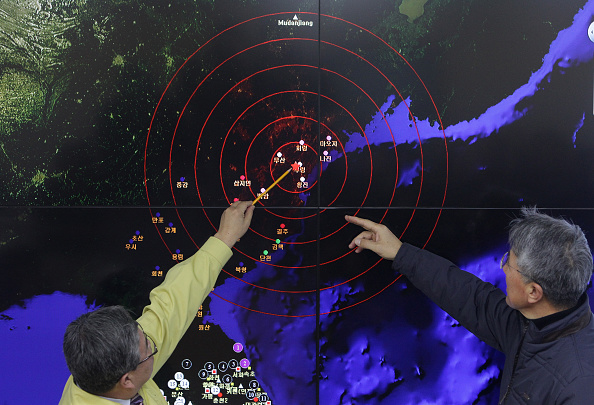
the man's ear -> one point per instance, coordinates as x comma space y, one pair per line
126, 381
534, 292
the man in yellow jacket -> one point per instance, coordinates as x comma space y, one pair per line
113, 357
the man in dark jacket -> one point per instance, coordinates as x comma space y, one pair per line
543, 325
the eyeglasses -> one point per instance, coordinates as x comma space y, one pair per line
153, 346
505, 260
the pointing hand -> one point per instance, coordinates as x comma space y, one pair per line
376, 237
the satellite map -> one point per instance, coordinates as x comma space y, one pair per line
127, 127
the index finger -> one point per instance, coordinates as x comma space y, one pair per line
362, 222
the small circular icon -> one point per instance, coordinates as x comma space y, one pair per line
186, 363
591, 32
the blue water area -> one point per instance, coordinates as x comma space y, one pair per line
33, 367
382, 359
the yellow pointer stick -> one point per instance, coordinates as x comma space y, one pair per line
272, 185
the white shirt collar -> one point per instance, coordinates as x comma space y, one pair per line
118, 401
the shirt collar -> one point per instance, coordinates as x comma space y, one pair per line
118, 401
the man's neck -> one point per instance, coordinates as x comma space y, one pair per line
549, 319
541, 309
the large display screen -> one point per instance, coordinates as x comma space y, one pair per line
126, 129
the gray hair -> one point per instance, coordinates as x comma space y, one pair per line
553, 253
100, 347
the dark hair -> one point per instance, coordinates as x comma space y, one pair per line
553, 253
100, 347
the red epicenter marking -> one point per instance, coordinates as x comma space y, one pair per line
295, 166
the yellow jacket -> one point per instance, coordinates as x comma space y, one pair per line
173, 307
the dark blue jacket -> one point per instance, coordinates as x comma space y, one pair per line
552, 365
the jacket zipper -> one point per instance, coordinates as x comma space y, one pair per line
511, 380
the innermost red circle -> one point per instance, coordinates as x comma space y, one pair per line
304, 162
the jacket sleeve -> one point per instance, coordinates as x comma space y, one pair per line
479, 306
174, 303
